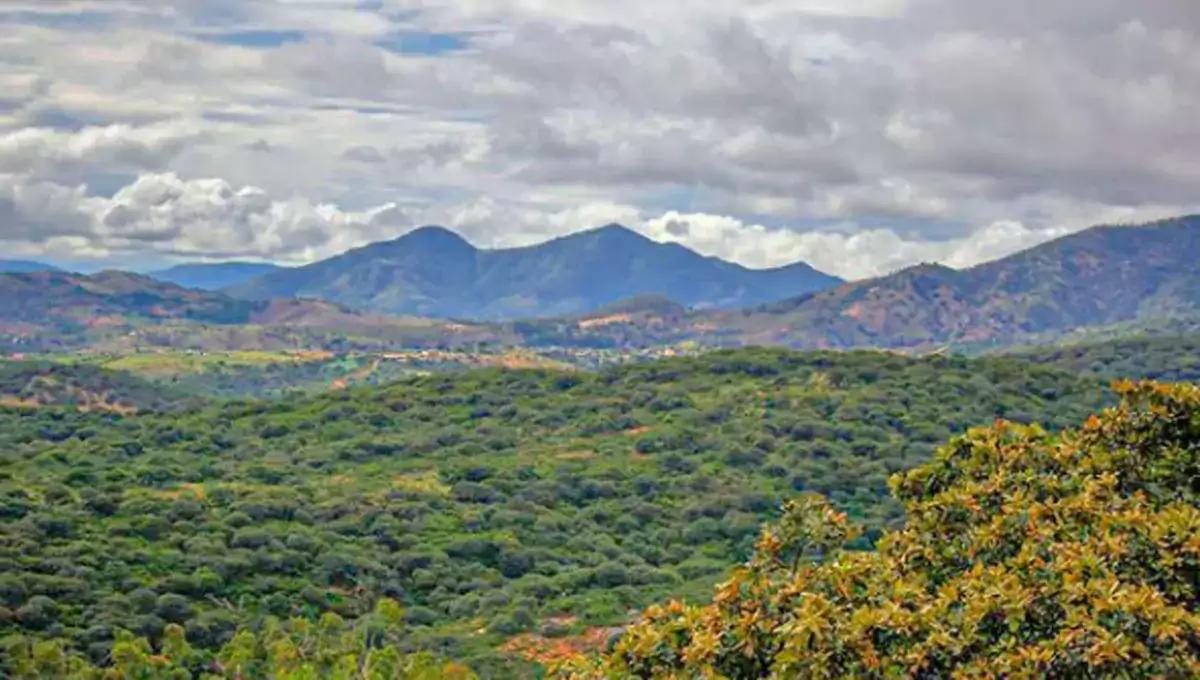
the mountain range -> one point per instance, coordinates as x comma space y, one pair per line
434, 272
1101, 276
1108, 277
212, 276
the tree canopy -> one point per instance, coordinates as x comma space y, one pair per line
1024, 554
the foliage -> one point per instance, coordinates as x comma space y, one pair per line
1171, 358
1025, 554
489, 502
296, 649
45, 383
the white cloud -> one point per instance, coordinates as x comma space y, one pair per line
858, 254
45, 151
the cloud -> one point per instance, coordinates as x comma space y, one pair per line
862, 136
36, 212
56, 153
851, 254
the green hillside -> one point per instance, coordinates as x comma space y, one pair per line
1170, 358
45, 384
1025, 555
503, 509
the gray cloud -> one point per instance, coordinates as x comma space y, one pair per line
920, 129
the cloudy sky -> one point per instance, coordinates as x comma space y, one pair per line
857, 135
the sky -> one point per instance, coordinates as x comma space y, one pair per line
860, 136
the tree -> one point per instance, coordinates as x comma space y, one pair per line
1024, 555
297, 649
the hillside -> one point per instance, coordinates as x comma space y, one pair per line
1168, 358
43, 384
1103, 276
433, 272
212, 276
1100, 276
120, 311
507, 511
1024, 555
74, 300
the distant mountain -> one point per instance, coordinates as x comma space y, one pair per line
75, 299
25, 266
41, 311
1102, 276
434, 272
212, 276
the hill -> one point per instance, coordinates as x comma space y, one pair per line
73, 300
505, 510
212, 276
434, 272
116, 311
43, 384
25, 266
1103, 276
1100, 276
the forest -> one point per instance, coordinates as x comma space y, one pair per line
487, 522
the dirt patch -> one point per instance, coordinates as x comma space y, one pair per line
15, 402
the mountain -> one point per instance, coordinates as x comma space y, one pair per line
1103, 276
42, 311
25, 266
434, 272
39, 297
212, 276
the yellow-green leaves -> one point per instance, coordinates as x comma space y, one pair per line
1024, 556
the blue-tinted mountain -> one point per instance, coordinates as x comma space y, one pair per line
212, 276
434, 272
25, 266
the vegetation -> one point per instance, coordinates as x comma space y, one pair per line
1025, 554
492, 504
1172, 358
37, 384
296, 649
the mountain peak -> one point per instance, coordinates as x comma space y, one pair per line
610, 231
433, 235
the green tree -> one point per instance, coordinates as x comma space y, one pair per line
1025, 555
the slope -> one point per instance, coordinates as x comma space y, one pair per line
491, 503
48, 311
